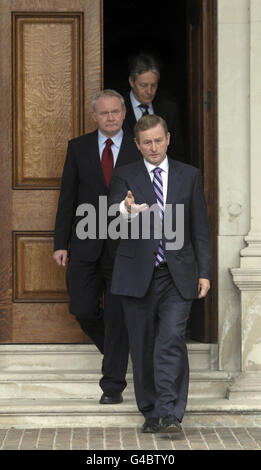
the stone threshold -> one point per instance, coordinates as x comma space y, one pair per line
89, 413
82, 356
82, 385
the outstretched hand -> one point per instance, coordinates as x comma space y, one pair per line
130, 205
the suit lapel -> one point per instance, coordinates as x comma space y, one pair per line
143, 181
174, 182
123, 155
156, 106
94, 159
130, 115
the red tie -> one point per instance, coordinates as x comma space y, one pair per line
107, 161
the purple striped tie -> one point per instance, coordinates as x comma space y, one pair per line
158, 188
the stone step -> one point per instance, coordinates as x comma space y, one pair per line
77, 413
245, 384
65, 384
80, 357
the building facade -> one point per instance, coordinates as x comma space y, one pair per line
55, 384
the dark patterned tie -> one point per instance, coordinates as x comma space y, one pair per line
144, 109
158, 188
107, 161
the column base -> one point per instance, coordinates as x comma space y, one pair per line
247, 386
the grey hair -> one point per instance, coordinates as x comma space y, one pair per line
107, 92
143, 63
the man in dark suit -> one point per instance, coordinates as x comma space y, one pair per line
144, 99
159, 276
86, 176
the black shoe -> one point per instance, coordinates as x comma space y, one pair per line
170, 423
151, 425
111, 398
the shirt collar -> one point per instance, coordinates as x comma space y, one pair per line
135, 103
117, 138
164, 165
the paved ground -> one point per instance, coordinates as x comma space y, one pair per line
123, 438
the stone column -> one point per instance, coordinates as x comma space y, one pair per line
233, 169
248, 276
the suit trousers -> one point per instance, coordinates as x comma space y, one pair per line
156, 325
86, 282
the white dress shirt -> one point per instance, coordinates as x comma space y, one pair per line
135, 105
115, 147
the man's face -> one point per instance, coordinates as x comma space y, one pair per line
145, 87
109, 115
153, 144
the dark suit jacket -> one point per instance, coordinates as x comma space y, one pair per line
83, 182
169, 111
135, 258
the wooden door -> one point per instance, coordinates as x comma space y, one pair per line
51, 65
202, 54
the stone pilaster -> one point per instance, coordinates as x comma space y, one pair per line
248, 276
233, 168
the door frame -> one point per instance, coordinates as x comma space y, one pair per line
202, 118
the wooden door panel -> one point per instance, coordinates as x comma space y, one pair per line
52, 56
34, 210
33, 279
42, 323
48, 94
